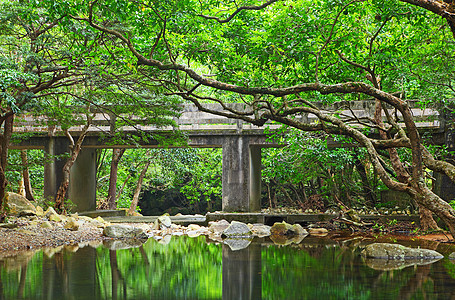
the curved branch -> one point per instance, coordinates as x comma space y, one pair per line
251, 7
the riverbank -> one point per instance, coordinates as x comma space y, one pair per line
34, 232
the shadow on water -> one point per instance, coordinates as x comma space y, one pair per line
192, 268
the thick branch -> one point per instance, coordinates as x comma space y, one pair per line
251, 7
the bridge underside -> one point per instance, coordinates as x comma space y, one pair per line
241, 169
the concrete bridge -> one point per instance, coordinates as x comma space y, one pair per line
241, 143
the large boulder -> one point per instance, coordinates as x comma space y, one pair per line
18, 203
396, 251
237, 229
218, 226
124, 232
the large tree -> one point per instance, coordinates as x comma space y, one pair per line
279, 56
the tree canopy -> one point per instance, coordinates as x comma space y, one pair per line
280, 56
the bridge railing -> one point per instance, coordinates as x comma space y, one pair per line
192, 119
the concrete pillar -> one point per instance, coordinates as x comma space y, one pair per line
242, 271
82, 188
255, 178
53, 174
443, 186
241, 175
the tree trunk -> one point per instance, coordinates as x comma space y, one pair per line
137, 190
426, 219
368, 191
111, 194
434, 203
26, 176
75, 150
4, 144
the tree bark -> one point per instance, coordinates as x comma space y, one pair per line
26, 176
75, 150
426, 219
111, 194
137, 190
4, 144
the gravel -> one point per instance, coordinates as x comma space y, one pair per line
28, 234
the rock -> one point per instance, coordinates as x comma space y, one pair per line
8, 225
237, 243
123, 244
72, 224
193, 233
124, 231
165, 221
237, 229
396, 251
39, 211
46, 224
218, 227
260, 230
284, 228
299, 230
26, 213
17, 203
452, 255
193, 227
394, 264
100, 219
55, 218
318, 231
49, 212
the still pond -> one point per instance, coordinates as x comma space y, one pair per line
192, 268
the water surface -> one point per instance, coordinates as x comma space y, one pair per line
191, 268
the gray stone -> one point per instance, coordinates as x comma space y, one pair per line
237, 243
237, 229
218, 227
260, 230
124, 232
452, 255
396, 251
17, 203
165, 221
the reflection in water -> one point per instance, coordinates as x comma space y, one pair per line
242, 273
194, 269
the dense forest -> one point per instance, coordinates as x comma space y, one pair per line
279, 58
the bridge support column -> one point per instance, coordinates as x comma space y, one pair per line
82, 188
241, 175
443, 186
